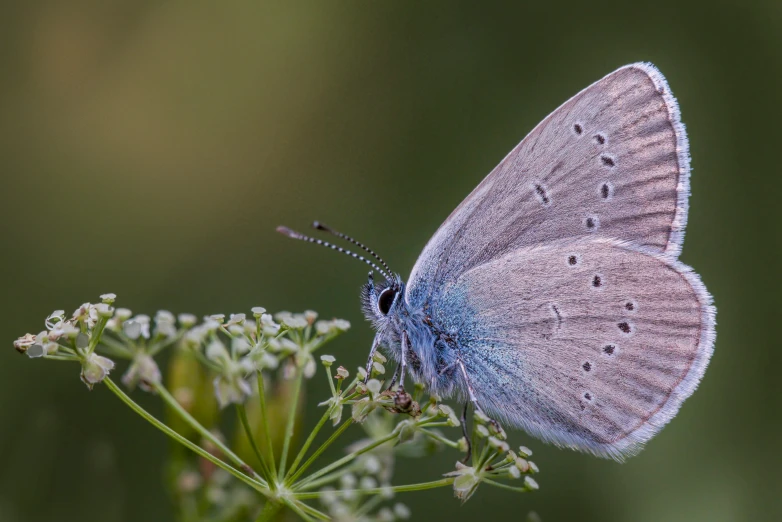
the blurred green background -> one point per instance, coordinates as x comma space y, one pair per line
150, 148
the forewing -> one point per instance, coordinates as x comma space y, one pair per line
610, 162
589, 344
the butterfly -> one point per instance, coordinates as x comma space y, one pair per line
552, 298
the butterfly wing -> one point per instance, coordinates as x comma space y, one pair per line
610, 162
590, 343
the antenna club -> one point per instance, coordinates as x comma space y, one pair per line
285, 231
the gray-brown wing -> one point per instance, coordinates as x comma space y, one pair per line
591, 344
610, 162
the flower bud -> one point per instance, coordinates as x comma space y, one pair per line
522, 465
187, 320
361, 373
401, 511
374, 386
525, 451
530, 483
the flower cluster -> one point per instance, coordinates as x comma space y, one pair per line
257, 363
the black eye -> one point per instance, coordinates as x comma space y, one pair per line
385, 300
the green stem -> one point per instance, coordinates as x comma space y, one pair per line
116, 346
377, 491
504, 486
61, 357
331, 477
447, 442
321, 449
308, 442
348, 458
368, 506
310, 510
180, 439
246, 424
96, 333
172, 402
296, 509
269, 511
291, 424
265, 416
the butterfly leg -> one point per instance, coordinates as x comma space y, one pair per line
468, 456
403, 363
375, 345
395, 377
470, 392
473, 399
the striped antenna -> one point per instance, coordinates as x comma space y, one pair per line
320, 226
296, 235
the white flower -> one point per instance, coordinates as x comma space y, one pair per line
237, 319
87, 314
104, 310
187, 320
466, 481
258, 311
401, 511
240, 345
310, 367
108, 298
231, 389
132, 329
142, 371
217, 352
54, 319
531, 483
95, 368
123, 313
24, 343
35, 351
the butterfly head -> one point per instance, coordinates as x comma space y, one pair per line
382, 300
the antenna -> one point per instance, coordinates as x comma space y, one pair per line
296, 235
320, 226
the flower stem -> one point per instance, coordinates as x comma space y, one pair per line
309, 510
265, 416
269, 511
377, 491
251, 437
331, 477
308, 442
97, 332
348, 458
368, 506
504, 486
258, 486
296, 509
172, 402
440, 438
291, 424
321, 449
61, 357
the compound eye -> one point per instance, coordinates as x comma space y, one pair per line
385, 300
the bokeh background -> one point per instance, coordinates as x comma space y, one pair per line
150, 148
